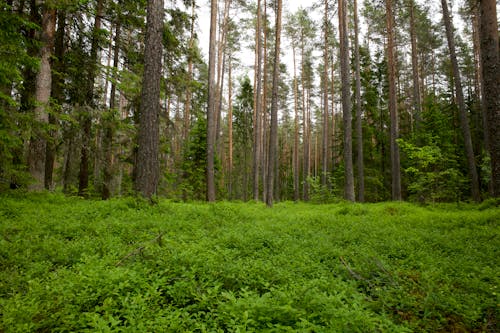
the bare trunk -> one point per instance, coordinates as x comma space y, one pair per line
464, 120
257, 109
324, 151
273, 136
108, 123
148, 171
211, 116
490, 64
187, 107
359, 120
296, 172
230, 131
417, 109
42, 95
391, 64
87, 120
346, 101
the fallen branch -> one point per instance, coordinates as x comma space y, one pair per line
139, 250
349, 269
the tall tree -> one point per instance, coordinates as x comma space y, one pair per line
83, 175
462, 112
346, 101
490, 63
148, 171
42, 95
257, 137
211, 111
359, 123
324, 152
273, 136
417, 108
391, 68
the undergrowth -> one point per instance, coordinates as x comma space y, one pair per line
124, 265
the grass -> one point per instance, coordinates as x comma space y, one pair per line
68, 264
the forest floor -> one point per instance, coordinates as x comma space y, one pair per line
123, 265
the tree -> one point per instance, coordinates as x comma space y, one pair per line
324, 152
257, 119
211, 111
273, 137
42, 94
359, 123
148, 137
462, 112
391, 64
490, 64
417, 108
346, 102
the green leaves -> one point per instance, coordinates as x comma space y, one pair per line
233, 267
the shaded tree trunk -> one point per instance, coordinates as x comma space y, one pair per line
256, 162
324, 151
490, 63
391, 64
211, 112
346, 101
417, 108
58, 95
108, 122
83, 175
273, 136
148, 170
359, 123
38, 142
462, 112
296, 166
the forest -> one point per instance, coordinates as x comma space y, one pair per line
260, 100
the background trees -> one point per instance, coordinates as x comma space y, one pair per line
74, 80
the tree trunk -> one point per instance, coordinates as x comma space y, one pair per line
211, 112
58, 95
346, 101
148, 171
42, 95
464, 120
324, 151
391, 64
490, 63
273, 136
108, 122
230, 130
359, 123
87, 119
296, 166
257, 108
187, 107
417, 108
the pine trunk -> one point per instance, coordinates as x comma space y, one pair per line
211, 112
257, 108
148, 171
273, 136
324, 150
393, 111
359, 120
346, 101
462, 111
490, 63
37, 152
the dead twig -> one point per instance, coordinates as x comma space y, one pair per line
349, 269
139, 250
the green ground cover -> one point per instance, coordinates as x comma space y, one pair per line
73, 265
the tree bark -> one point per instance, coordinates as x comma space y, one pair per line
490, 63
83, 175
273, 136
346, 101
257, 108
43, 85
391, 64
230, 130
324, 150
359, 120
148, 171
211, 112
108, 122
58, 95
296, 166
417, 108
464, 120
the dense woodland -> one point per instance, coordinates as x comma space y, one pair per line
368, 101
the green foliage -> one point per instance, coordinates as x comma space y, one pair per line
124, 265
